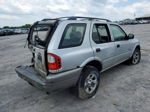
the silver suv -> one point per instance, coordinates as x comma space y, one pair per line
71, 52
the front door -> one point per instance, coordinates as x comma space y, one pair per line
122, 44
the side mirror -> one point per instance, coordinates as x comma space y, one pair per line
131, 36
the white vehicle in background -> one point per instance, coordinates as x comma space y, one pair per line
17, 31
143, 22
25, 30
21, 30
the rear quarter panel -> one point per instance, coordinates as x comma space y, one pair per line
72, 57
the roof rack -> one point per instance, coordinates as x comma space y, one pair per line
80, 17
77, 17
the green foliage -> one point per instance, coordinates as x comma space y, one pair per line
6, 27
26, 26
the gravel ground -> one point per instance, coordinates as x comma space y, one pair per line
123, 88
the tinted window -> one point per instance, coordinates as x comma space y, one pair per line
118, 33
100, 33
73, 35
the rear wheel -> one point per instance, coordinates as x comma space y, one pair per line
88, 83
136, 57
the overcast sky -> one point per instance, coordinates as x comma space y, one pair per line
19, 12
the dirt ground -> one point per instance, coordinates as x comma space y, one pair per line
123, 88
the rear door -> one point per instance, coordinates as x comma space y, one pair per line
104, 48
122, 44
74, 45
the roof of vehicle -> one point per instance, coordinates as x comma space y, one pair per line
51, 21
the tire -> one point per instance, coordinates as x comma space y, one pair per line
88, 83
136, 57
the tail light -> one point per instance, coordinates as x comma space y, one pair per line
54, 61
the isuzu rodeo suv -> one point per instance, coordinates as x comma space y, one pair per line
71, 52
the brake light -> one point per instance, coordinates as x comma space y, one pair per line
54, 61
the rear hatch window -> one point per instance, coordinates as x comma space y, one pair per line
39, 34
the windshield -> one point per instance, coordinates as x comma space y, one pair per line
39, 34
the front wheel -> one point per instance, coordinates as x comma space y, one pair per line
136, 57
88, 83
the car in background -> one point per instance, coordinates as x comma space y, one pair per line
8, 31
25, 30
1, 32
21, 30
17, 31
143, 22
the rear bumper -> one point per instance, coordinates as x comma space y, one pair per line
52, 81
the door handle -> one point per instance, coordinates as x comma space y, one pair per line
118, 45
98, 49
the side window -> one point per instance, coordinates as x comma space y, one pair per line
100, 33
73, 35
118, 33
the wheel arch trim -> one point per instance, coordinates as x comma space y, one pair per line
135, 46
91, 59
